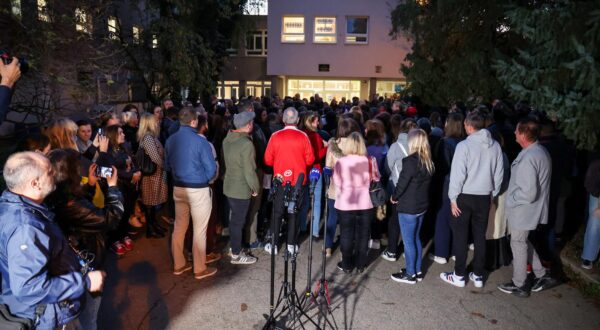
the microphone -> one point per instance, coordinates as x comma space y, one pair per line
327, 173
277, 182
295, 193
314, 176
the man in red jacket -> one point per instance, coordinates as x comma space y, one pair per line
289, 152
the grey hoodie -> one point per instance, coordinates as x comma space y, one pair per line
477, 166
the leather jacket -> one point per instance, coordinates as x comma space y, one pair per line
85, 224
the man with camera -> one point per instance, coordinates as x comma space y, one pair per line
10, 73
41, 275
290, 153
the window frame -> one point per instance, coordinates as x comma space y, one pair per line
318, 34
43, 13
137, 40
257, 34
113, 35
284, 34
356, 35
83, 21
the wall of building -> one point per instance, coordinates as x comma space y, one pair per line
345, 60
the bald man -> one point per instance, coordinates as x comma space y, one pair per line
41, 278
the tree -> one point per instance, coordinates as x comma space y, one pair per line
455, 43
183, 46
558, 69
68, 62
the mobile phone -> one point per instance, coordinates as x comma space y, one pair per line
103, 172
100, 132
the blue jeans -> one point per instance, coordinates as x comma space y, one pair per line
331, 223
89, 315
410, 227
318, 195
591, 241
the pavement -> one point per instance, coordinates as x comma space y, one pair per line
142, 293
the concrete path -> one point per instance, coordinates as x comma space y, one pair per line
141, 293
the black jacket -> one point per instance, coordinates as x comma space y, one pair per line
412, 189
86, 225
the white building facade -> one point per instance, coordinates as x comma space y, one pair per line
336, 48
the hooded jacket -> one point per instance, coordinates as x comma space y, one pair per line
37, 265
477, 166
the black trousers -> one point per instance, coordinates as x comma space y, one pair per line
355, 230
239, 210
280, 211
475, 210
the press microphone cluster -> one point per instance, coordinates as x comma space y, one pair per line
314, 176
295, 193
327, 173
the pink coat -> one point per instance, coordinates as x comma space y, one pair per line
351, 180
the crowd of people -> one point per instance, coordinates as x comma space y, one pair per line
491, 178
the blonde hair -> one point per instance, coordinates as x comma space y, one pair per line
354, 145
418, 143
148, 126
61, 134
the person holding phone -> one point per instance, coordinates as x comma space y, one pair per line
82, 222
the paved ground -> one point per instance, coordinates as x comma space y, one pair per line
141, 293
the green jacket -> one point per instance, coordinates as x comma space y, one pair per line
240, 166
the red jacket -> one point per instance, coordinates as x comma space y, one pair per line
319, 149
289, 153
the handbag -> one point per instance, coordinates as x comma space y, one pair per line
147, 166
376, 189
11, 322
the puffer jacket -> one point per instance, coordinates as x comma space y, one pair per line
85, 224
37, 265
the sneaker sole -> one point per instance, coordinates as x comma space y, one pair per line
213, 260
441, 262
242, 263
388, 258
179, 272
402, 280
199, 277
520, 295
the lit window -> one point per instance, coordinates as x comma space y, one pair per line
154, 41
16, 7
357, 30
137, 34
83, 21
292, 29
43, 14
113, 31
256, 43
325, 30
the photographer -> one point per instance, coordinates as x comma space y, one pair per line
84, 224
41, 276
290, 153
10, 74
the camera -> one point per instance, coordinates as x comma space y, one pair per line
103, 172
7, 59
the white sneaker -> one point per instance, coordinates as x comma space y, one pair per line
374, 244
472, 247
268, 248
477, 280
292, 249
453, 258
450, 277
242, 259
436, 259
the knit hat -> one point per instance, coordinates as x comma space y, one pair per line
242, 119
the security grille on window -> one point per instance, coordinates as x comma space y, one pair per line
42, 7
83, 21
256, 43
137, 34
357, 30
113, 32
325, 32
154, 41
292, 29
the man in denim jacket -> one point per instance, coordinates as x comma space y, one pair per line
37, 266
